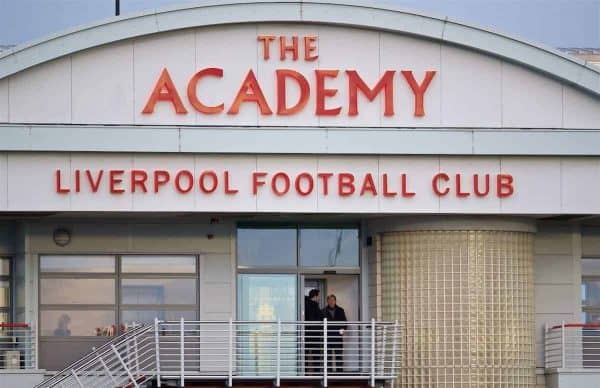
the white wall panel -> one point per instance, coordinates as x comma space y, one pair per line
529, 99
268, 200
174, 51
4, 100
100, 174
580, 185
546, 185
451, 203
537, 185
235, 49
42, 94
170, 198
581, 109
406, 53
267, 70
471, 89
240, 170
31, 177
111, 84
336, 47
103, 82
359, 167
418, 180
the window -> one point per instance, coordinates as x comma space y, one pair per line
157, 286
590, 290
6, 294
267, 247
329, 247
100, 295
290, 248
77, 296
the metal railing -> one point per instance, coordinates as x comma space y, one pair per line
17, 346
240, 350
572, 346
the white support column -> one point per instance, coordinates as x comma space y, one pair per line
230, 361
278, 351
182, 352
77, 378
325, 353
157, 351
372, 352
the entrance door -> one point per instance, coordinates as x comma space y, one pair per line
346, 290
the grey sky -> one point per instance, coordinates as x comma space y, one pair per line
558, 23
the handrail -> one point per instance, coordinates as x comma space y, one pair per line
231, 350
18, 346
572, 346
85, 360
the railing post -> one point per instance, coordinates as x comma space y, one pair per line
325, 356
230, 363
133, 382
157, 351
76, 378
382, 355
182, 352
562, 347
278, 351
105, 367
394, 350
372, 352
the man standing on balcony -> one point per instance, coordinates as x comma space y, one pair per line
313, 334
335, 334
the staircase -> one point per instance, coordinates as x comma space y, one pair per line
200, 352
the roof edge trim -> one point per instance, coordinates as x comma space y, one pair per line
379, 15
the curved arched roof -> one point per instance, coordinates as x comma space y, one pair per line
372, 15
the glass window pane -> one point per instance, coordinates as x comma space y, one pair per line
65, 323
591, 317
266, 247
4, 266
158, 291
158, 264
3, 319
329, 248
267, 297
590, 267
77, 291
4, 294
93, 264
590, 293
135, 317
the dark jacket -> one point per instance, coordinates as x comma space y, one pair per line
312, 311
313, 333
334, 317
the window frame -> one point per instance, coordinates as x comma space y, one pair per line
117, 275
10, 309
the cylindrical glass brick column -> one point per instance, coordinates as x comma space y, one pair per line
465, 301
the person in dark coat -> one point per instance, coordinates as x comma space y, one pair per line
313, 334
335, 334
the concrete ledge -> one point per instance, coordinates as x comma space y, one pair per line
21, 378
299, 140
572, 378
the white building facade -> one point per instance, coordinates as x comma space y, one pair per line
216, 161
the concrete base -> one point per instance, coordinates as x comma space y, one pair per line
21, 378
572, 378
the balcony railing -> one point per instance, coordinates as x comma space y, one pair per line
232, 351
17, 346
572, 346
